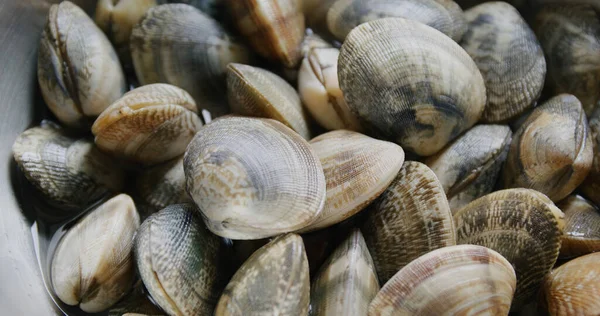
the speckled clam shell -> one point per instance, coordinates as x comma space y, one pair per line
410, 218
180, 45
509, 57
179, 261
591, 185
444, 16
552, 151
253, 178
275, 28
163, 185
573, 289
469, 167
93, 264
570, 37
456, 280
78, 70
70, 173
149, 125
273, 281
257, 92
407, 82
347, 282
581, 234
523, 225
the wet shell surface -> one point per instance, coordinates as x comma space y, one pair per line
253, 178
275, 29
573, 289
149, 125
93, 264
456, 280
178, 260
163, 185
70, 173
253, 91
273, 281
357, 170
509, 57
444, 15
552, 151
591, 185
180, 45
582, 227
410, 218
78, 70
469, 167
409, 83
347, 281
522, 225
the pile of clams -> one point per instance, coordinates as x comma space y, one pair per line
333, 157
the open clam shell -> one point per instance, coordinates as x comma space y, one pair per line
581, 234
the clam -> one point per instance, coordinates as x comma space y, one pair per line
455, 280
408, 82
469, 167
523, 225
570, 36
180, 45
572, 289
552, 151
442, 15
149, 125
253, 178
581, 234
93, 264
163, 185
78, 70
347, 282
179, 261
357, 170
315, 12
591, 185
70, 173
312, 40
273, 281
320, 91
509, 57
410, 218
253, 91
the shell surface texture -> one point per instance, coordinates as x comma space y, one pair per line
163, 185
581, 234
591, 185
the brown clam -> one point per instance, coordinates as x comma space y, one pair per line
149, 125
455, 280
552, 151
509, 57
407, 82
581, 234
163, 185
469, 167
591, 185
410, 218
78, 70
273, 281
522, 225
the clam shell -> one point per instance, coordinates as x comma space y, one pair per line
572, 289
163, 185
71, 173
253, 178
591, 185
150, 124
315, 12
178, 260
509, 57
253, 91
93, 264
469, 167
273, 281
408, 82
344, 15
552, 151
523, 225
180, 45
581, 234
455, 280
275, 29
357, 170
410, 218
347, 282
78, 70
